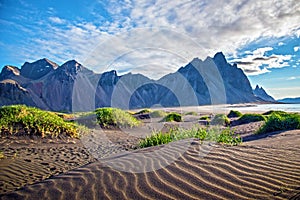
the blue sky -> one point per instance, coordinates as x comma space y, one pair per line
156, 37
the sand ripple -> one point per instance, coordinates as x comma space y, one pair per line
251, 171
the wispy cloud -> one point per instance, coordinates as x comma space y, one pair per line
141, 34
57, 20
257, 62
293, 78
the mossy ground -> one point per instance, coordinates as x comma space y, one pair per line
115, 118
18, 119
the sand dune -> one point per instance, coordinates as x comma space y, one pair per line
268, 168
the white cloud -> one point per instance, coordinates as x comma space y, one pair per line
296, 48
256, 62
291, 78
57, 20
168, 34
225, 27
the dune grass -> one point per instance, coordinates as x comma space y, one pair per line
173, 117
144, 111
225, 136
234, 113
18, 119
191, 113
279, 112
157, 114
278, 121
251, 117
1, 155
205, 118
220, 119
115, 117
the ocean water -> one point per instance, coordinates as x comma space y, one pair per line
225, 108
266, 107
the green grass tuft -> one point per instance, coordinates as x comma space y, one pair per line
33, 121
2, 155
221, 136
275, 112
173, 117
247, 118
220, 119
157, 114
234, 113
144, 111
115, 117
278, 122
191, 113
227, 136
205, 118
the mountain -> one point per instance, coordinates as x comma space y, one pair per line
72, 87
290, 100
261, 93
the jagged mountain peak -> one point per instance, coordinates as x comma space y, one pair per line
261, 93
37, 69
73, 67
197, 83
11, 69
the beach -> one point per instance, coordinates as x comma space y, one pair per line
262, 167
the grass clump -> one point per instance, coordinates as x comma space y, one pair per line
18, 119
144, 111
173, 117
191, 113
158, 138
234, 113
2, 155
205, 118
220, 119
158, 113
221, 136
227, 136
115, 117
279, 112
278, 122
247, 118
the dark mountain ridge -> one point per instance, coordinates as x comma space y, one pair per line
72, 87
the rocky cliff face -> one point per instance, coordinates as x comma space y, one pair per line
262, 94
12, 93
72, 87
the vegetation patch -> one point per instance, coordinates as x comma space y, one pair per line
1, 155
279, 112
157, 114
221, 136
173, 117
205, 118
191, 113
18, 119
144, 111
228, 136
220, 119
278, 122
234, 113
247, 118
115, 117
